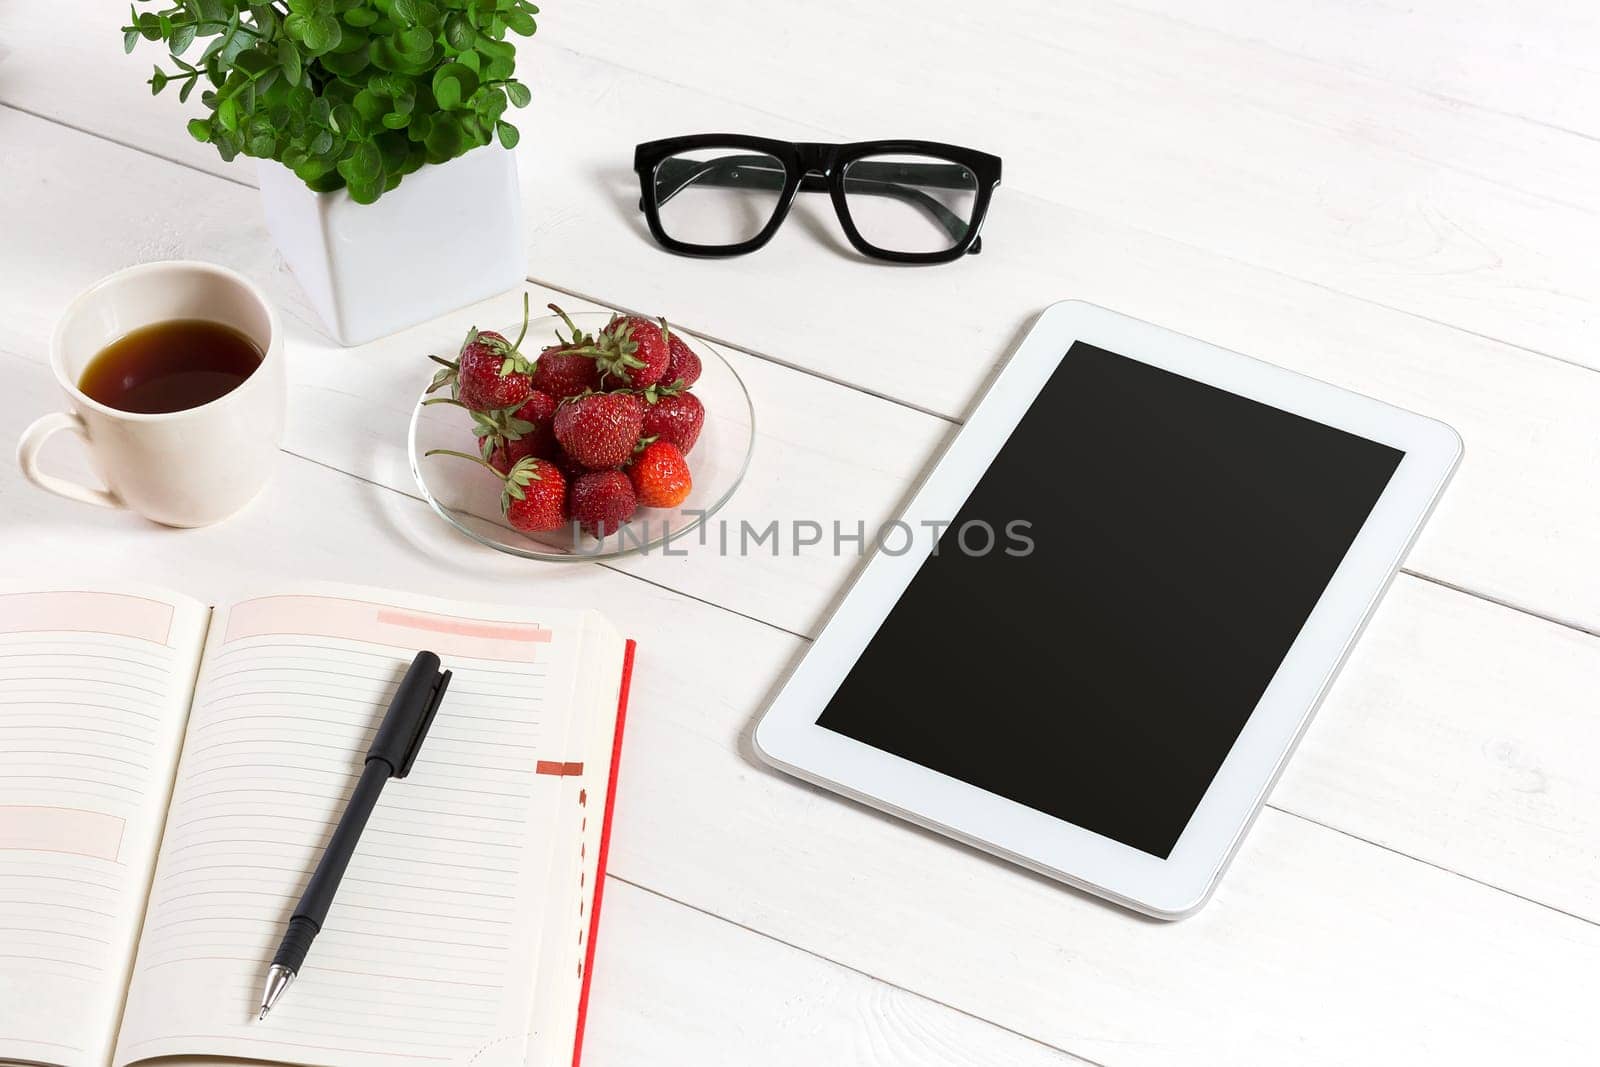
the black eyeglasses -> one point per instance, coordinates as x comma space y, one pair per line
723, 194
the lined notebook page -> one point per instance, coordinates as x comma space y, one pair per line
94, 687
430, 950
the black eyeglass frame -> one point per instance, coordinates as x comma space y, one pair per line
815, 167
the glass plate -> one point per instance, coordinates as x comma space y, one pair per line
468, 497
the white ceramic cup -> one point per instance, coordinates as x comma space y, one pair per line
180, 468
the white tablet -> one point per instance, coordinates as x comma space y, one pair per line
1107, 614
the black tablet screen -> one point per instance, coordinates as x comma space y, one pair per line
1180, 537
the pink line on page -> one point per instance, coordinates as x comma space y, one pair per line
77, 611
70, 831
356, 620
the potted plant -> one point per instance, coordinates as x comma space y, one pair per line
386, 170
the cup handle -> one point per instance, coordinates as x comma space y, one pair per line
32, 441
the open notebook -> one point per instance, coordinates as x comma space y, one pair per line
169, 773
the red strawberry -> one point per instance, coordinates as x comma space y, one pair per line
490, 372
683, 366
600, 429
568, 368
503, 453
632, 350
675, 417
660, 476
508, 434
601, 501
562, 372
537, 415
534, 497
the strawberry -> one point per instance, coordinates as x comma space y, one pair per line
660, 475
675, 417
601, 501
534, 496
533, 423
508, 434
568, 368
562, 372
683, 366
490, 372
632, 350
504, 453
600, 429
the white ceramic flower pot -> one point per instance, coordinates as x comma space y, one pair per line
446, 236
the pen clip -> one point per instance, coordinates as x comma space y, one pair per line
439, 686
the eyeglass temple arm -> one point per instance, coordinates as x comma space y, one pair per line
757, 172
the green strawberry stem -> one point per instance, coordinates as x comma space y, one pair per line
517, 344
462, 455
521, 474
578, 336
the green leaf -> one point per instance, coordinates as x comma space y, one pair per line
499, 68
360, 16
368, 105
365, 192
521, 22
158, 81
254, 63
347, 64
414, 40
365, 164
182, 37
289, 60
458, 32
453, 83
321, 34
200, 130
508, 134
406, 10
446, 91
445, 140
491, 106
520, 94
130, 37
188, 87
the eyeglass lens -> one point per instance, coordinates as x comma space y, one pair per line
910, 203
717, 196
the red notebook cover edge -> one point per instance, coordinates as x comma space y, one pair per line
605, 849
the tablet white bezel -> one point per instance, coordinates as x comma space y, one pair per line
789, 738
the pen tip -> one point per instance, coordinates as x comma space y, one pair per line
263, 1015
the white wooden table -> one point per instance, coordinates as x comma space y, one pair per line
1397, 197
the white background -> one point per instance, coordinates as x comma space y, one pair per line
1399, 198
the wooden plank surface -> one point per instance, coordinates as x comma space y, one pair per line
1392, 197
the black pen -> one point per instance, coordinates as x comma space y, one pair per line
394, 749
